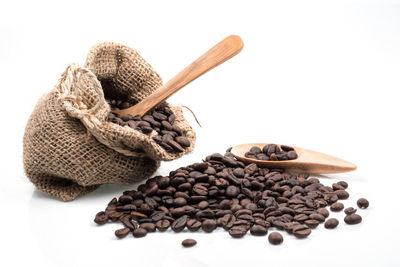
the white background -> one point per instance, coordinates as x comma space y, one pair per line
323, 75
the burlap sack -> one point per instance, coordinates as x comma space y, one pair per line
69, 147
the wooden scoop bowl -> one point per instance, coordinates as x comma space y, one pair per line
308, 161
221, 52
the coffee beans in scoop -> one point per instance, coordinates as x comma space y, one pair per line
223, 192
161, 120
272, 152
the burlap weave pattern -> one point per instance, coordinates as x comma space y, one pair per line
70, 148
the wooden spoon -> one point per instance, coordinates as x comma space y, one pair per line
221, 52
308, 161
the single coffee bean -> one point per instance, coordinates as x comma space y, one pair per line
337, 206
179, 224
163, 225
362, 203
342, 194
209, 225
301, 231
350, 210
312, 223
237, 231
150, 227
324, 212
258, 230
352, 219
343, 184
193, 225
139, 232
121, 233
101, 218
275, 238
331, 223
189, 243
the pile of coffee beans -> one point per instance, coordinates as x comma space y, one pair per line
224, 192
271, 152
161, 119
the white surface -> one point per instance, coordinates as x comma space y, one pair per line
316, 74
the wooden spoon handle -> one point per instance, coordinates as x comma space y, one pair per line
221, 52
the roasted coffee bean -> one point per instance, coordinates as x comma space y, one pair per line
312, 223
150, 227
301, 231
362, 203
350, 210
209, 225
352, 219
189, 243
271, 152
331, 223
324, 212
225, 192
258, 230
238, 231
275, 238
101, 218
343, 184
139, 232
121, 233
163, 225
337, 206
342, 194
179, 224
193, 225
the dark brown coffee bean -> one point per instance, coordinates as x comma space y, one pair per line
193, 225
342, 194
179, 224
189, 243
209, 225
232, 191
352, 219
255, 150
237, 231
139, 232
331, 223
101, 218
301, 231
275, 238
312, 223
121, 233
179, 202
343, 184
258, 230
362, 203
163, 225
183, 141
150, 227
317, 216
175, 146
350, 210
337, 206
324, 212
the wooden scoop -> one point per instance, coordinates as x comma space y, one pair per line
308, 161
221, 52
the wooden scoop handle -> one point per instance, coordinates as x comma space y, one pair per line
221, 52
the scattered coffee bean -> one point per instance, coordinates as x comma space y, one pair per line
362, 203
161, 119
352, 219
350, 210
331, 223
121, 233
258, 230
337, 206
343, 184
275, 238
272, 152
189, 243
139, 232
224, 192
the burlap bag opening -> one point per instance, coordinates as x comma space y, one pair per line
69, 147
